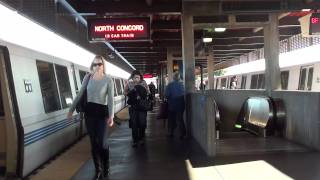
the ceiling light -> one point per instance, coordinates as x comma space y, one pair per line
306, 10
219, 29
207, 40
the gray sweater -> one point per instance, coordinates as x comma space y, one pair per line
98, 91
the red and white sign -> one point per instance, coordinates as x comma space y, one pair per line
118, 29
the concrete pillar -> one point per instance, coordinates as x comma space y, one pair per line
210, 68
170, 64
271, 54
188, 64
161, 79
188, 52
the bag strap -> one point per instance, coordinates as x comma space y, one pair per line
86, 82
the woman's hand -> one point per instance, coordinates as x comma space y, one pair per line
110, 121
69, 116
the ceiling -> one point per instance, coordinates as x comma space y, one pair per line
166, 26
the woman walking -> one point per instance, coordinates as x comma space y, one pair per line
98, 113
137, 89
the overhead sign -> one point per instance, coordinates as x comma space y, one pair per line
314, 28
119, 29
145, 76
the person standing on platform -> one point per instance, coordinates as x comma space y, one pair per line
137, 89
175, 94
152, 89
98, 112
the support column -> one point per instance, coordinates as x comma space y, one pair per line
210, 68
170, 64
188, 52
271, 54
188, 64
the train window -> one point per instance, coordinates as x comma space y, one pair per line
114, 88
243, 82
310, 76
254, 82
1, 103
302, 78
64, 85
284, 79
217, 82
48, 86
119, 89
261, 81
305, 80
82, 75
223, 83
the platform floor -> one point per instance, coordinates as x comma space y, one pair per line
175, 159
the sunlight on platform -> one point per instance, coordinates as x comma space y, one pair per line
240, 171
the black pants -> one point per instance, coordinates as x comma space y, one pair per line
138, 124
174, 118
97, 130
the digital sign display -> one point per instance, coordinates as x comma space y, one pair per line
314, 28
119, 29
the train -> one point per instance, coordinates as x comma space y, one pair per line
40, 75
36, 93
299, 70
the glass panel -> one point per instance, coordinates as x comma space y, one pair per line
48, 86
243, 82
302, 78
310, 76
64, 86
119, 89
284, 80
254, 82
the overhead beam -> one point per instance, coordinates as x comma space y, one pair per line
211, 8
125, 7
230, 25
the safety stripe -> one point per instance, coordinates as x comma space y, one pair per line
43, 132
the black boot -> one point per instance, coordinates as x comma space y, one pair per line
97, 165
105, 161
98, 175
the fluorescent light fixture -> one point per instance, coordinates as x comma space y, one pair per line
19, 30
207, 40
306, 10
219, 29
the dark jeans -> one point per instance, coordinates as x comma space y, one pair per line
97, 131
138, 124
174, 118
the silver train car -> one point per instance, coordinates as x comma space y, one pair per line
36, 91
300, 70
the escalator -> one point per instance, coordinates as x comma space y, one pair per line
259, 128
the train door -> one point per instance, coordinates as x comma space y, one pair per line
11, 132
2, 134
305, 79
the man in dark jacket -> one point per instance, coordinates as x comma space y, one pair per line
175, 94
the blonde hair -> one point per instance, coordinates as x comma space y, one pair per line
103, 62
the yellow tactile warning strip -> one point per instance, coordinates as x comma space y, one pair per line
66, 165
